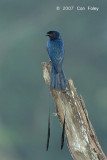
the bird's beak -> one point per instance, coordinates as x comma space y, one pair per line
46, 34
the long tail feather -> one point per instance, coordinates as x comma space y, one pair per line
48, 136
62, 137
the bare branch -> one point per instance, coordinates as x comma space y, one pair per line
80, 135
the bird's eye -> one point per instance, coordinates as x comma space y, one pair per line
50, 32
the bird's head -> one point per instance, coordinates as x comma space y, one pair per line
53, 35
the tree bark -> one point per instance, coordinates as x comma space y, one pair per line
80, 135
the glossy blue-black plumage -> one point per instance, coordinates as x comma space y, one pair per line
55, 49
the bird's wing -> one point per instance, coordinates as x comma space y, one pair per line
56, 52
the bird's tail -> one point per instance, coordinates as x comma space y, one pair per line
58, 80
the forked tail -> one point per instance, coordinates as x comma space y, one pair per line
58, 80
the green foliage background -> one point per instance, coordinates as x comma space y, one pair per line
24, 97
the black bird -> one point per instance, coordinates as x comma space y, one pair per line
55, 47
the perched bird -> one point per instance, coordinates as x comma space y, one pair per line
55, 47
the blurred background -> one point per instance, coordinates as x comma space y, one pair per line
24, 96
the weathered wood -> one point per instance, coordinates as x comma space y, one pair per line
80, 135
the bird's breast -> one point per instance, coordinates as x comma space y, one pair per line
55, 46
